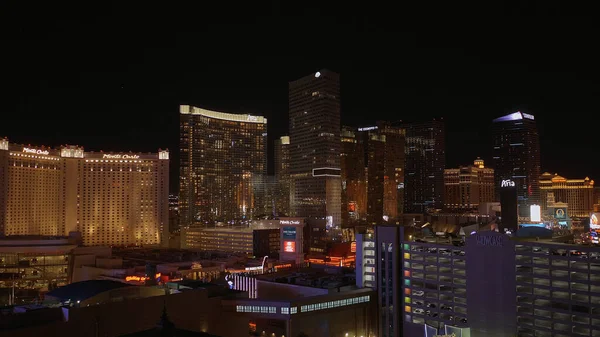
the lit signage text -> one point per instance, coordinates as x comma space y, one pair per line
494, 241
289, 233
289, 222
252, 118
120, 156
450, 335
35, 151
507, 183
369, 128
528, 116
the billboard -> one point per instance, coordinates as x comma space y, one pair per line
289, 233
352, 206
535, 213
595, 221
289, 246
560, 213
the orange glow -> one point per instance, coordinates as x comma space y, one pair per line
407, 308
406, 273
140, 278
407, 291
252, 326
353, 247
289, 246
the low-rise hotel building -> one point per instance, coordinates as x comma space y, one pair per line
110, 198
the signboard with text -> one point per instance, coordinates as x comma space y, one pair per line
289, 233
289, 246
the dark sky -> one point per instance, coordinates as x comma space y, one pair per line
110, 76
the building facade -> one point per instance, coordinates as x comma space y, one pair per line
578, 194
31, 265
110, 198
253, 241
282, 175
372, 173
468, 186
353, 176
425, 163
314, 112
221, 155
516, 156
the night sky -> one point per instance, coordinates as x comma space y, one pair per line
111, 76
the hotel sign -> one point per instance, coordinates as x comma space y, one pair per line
35, 151
507, 183
493, 241
528, 116
120, 156
289, 222
368, 128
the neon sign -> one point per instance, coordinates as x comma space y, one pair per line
35, 151
120, 156
369, 128
136, 278
507, 183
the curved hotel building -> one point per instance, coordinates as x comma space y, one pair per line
110, 198
223, 159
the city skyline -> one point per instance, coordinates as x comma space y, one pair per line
468, 79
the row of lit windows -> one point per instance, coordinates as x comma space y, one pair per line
334, 304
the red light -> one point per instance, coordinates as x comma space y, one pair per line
289, 246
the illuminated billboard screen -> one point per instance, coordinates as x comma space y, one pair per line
535, 213
289, 246
560, 213
352, 206
289, 233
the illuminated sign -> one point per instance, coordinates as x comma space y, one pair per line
352, 206
560, 213
120, 156
289, 233
289, 222
353, 247
450, 335
594, 223
35, 151
507, 183
493, 241
528, 116
535, 213
136, 278
252, 118
369, 128
289, 246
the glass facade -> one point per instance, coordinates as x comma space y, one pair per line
314, 112
221, 156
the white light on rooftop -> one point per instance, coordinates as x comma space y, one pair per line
317, 74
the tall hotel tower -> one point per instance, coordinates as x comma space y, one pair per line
282, 175
424, 168
222, 155
110, 198
516, 157
315, 145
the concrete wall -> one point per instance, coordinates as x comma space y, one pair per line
491, 298
273, 290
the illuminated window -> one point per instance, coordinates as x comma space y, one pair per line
407, 282
406, 291
407, 256
407, 308
407, 300
407, 273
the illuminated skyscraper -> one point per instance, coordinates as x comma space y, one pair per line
314, 112
282, 175
468, 186
425, 163
516, 156
110, 198
372, 172
222, 155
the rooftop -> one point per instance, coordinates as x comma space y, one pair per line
514, 117
83, 290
